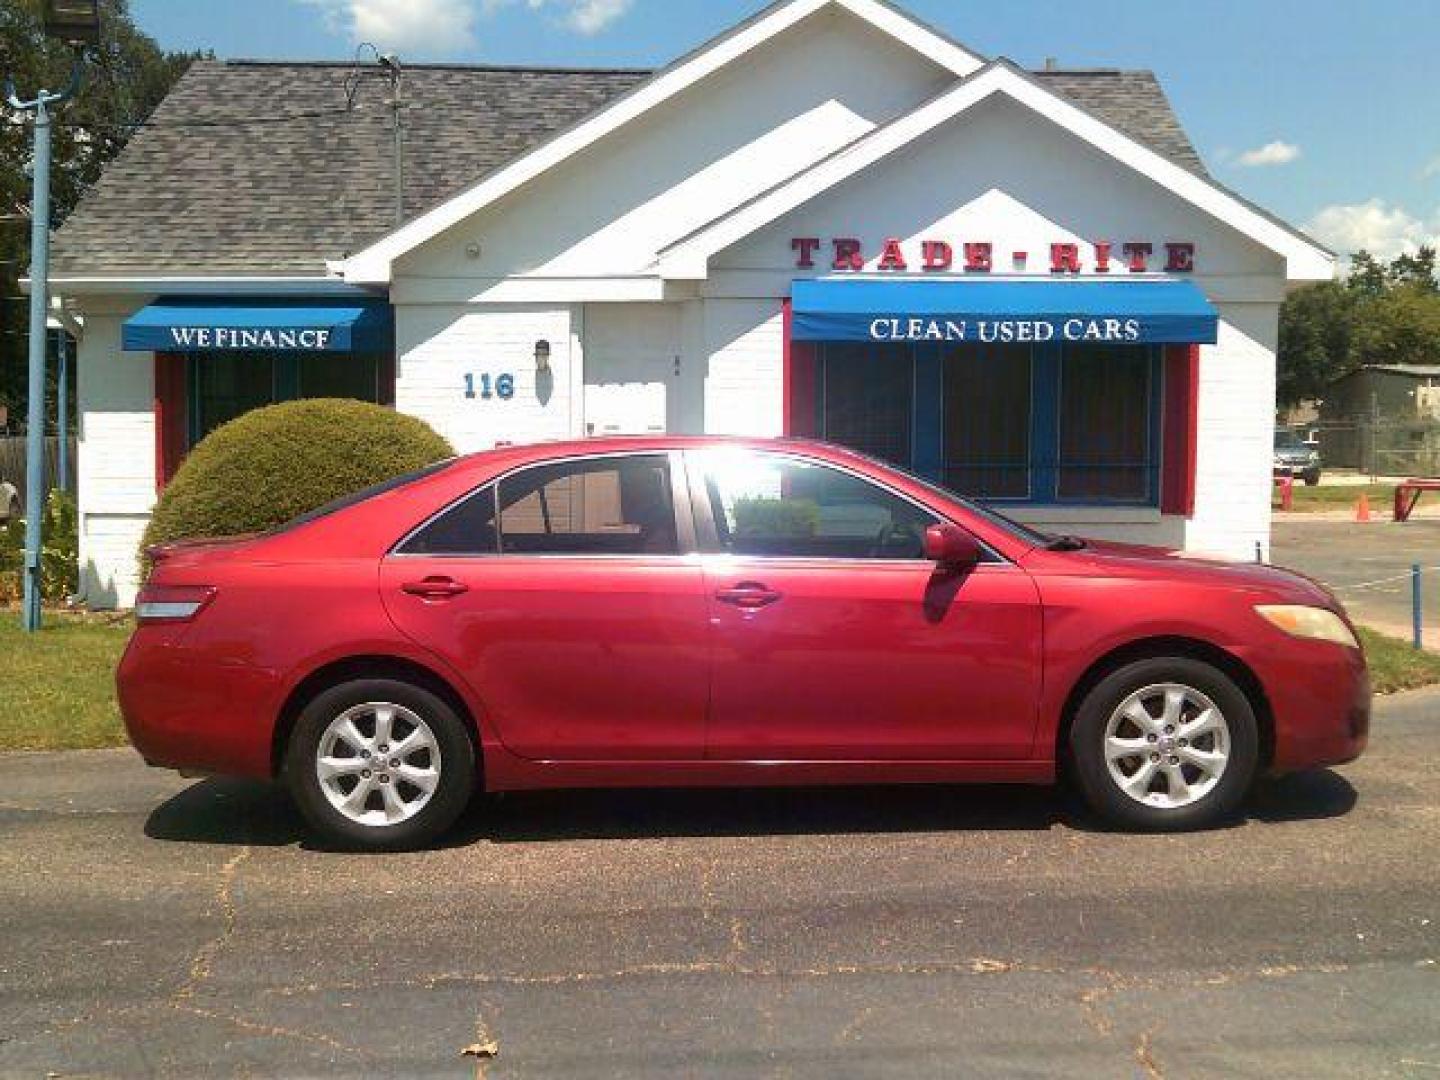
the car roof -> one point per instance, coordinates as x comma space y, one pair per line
618, 444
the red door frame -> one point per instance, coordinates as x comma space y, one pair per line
171, 415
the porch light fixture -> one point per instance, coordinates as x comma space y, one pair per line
542, 356
76, 22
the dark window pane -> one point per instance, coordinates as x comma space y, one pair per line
339, 375
765, 505
465, 529
228, 385
1105, 422
866, 397
602, 506
987, 420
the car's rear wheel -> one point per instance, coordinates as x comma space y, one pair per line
1165, 744
379, 763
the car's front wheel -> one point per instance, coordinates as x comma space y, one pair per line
1165, 744
378, 763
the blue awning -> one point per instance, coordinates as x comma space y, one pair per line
208, 324
1125, 312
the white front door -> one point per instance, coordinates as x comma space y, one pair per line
632, 367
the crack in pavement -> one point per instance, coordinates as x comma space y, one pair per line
1145, 1055
199, 970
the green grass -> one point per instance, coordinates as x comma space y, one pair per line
57, 687
1395, 664
1339, 496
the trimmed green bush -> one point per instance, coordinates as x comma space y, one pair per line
276, 463
791, 518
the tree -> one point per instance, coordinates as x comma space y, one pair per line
126, 76
1382, 313
1316, 329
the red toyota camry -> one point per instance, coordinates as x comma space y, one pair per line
693, 611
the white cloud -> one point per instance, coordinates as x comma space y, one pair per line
1375, 226
411, 28
1432, 168
586, 17
1272, 153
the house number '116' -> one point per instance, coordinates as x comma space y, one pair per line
487, 386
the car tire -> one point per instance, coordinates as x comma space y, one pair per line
1311, 478
1165, 744
418, 776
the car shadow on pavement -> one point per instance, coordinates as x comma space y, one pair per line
224, 811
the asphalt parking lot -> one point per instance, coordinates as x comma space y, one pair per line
156, 926
1367, 565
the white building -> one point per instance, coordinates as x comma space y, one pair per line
830, 221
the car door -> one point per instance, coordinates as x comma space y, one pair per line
834, 639
567, 596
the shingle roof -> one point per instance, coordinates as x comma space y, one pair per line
252, 167
1132, 101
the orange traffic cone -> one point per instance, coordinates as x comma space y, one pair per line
1362, 508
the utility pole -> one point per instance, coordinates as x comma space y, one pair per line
78, 22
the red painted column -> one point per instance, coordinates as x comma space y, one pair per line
799, 381
170, 416
1180, 429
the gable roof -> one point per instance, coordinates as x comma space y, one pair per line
372, 266
1306, 260
257, 168
218, 183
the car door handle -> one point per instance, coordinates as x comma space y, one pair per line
435, 588
749, 596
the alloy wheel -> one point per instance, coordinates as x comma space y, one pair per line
1167, 745
378, 763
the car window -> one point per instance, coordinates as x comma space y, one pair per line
782, 507
468, 528
595, 506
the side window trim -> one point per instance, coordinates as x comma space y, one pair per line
708, 533
680, 497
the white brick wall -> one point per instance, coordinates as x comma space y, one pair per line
116, 461
744, 383
1236, 422
438, 345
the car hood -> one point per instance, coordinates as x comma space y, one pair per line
1102, 558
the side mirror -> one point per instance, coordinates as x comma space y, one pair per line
951, 547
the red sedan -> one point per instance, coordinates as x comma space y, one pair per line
693, 611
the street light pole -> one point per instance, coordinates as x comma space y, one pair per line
39, 311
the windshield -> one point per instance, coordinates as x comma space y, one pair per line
1024, 533
1288, 440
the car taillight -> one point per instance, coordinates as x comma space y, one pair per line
171, 603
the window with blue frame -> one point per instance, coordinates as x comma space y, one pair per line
1043, 424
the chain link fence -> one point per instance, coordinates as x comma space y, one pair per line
1381, 447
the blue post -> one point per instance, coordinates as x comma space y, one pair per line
62, 408
35, 416
39, 310
1416, 612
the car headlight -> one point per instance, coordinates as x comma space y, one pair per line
1302, 621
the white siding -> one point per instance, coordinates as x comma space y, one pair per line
744, 382
1236, 425
439, 345
116, 461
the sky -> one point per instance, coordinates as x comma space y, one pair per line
1325, 111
